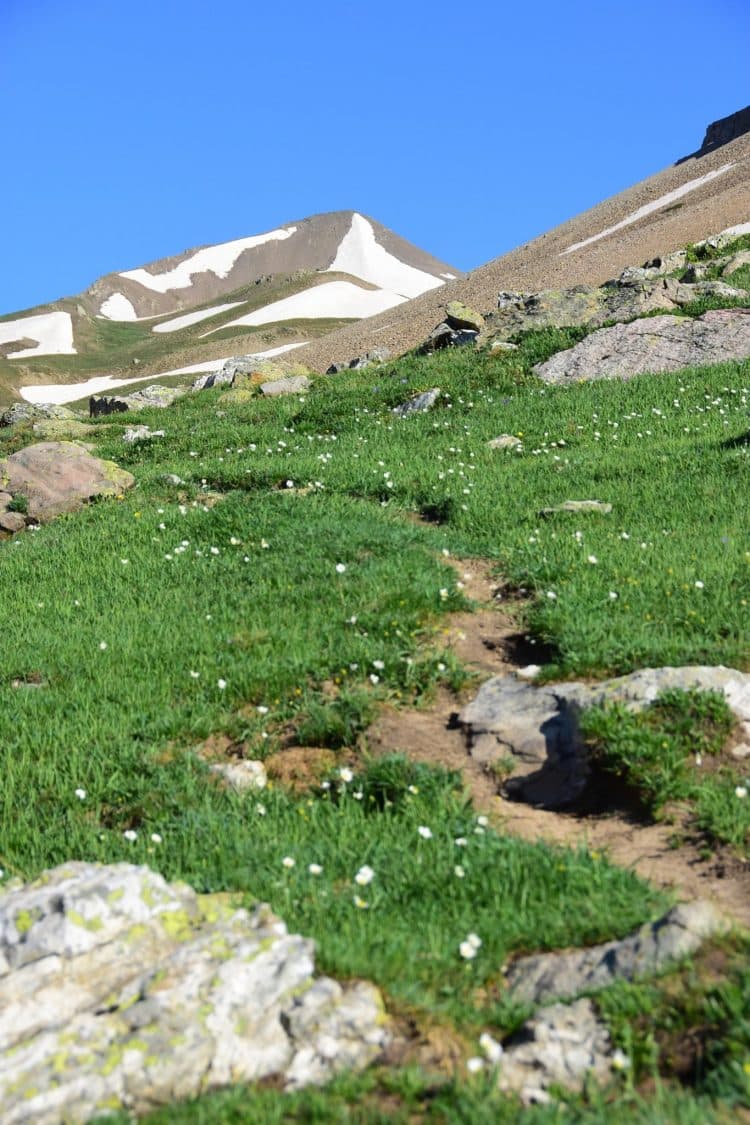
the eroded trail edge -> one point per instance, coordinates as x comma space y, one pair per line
487, 641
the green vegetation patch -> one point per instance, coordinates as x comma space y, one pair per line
665, 755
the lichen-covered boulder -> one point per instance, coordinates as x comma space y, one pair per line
460, 315
121, 991
660, 343
60, 476
27, 411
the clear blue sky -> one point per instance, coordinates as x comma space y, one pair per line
134, 130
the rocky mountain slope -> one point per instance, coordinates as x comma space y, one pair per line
267, 292
690, 200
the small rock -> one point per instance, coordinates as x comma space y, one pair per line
243, 774
562, 1045
12, 522
141, 433
5, 500
736, 262
459, 315
417, 405
680, 932
171, 478
579, 507
530, 672
212, 379
291, 385
503, 346
505, 441
154, 396
741, 752
444, 336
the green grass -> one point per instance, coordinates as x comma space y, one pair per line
663, 756
287, 587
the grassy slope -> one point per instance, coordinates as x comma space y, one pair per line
246, 593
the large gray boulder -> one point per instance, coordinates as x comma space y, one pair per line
656, 344
535, 730
60, 476
119, 990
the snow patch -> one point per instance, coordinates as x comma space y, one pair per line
332, 299
117, 307
58, 394
179, 322
648, 208
741, 228
360, 255
449, 276
53, 332
219, 260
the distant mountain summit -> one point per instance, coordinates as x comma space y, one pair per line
338, 242
264, 293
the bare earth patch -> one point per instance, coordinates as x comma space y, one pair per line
485, 641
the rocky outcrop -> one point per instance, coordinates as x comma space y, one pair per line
369, 359
59, 476
29, 411
536, 729
560, 976
726, 129
121, 991
153, 396
656, 344
635, 293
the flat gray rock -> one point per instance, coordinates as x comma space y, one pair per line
560, 976
537, 728
417, 405
290, 385
140, 433
579, 507
655, 344
505, 441
121, 991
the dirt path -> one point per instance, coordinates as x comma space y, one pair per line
485, 641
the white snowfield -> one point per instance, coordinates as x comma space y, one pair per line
59, 394
117, 307
214, 259
179, 322
331, 299
648, 208
361, 255
53, 332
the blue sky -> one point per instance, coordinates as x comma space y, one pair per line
135, 130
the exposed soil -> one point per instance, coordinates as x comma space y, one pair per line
487, 641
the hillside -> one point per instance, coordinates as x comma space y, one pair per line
376, 747
696, 197
265, 293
